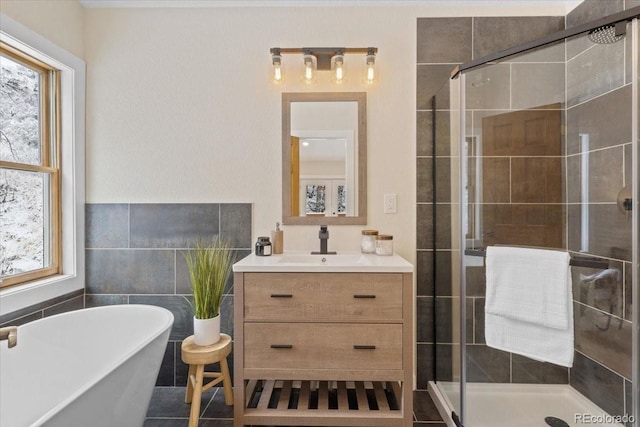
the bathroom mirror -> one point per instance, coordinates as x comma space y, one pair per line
324, 158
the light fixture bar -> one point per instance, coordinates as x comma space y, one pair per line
324, 59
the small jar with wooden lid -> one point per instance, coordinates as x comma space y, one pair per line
384, 244
368, 243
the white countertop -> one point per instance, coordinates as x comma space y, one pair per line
347, 262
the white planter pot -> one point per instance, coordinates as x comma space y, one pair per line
206, 331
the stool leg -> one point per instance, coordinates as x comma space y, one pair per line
189, 394
197, 397
226, 382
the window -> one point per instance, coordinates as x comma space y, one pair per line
29, 168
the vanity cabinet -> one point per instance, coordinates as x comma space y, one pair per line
323, 348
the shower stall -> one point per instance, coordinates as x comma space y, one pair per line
544, 153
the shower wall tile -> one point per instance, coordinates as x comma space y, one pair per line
424, 170
598, 384
488, 88
600, 289
425, 358
628, 401
628, 56
478, 321
487, 365
548, 53
107, 225
609, 231
496, 173
628, 178
476, 281
492, 34
424, 132
596, 71
628, 291
536, 180
173, 225
424, 273
600, 119
605, 175
424, 319
444, 40
522, 224
603, 338
425, 226
121, 271
590, 10
430, 79
537, 85
628, 4
528, 371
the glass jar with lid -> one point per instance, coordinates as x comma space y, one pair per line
384, 244
368, 243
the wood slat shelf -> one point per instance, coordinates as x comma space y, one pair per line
371, 403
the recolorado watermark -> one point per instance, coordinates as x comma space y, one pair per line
585, 418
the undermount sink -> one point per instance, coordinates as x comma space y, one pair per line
305, 262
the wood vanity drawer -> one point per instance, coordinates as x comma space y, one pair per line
323, 296
322, 346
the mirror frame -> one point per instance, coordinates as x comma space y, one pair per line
361, 99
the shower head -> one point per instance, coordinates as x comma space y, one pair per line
608, 34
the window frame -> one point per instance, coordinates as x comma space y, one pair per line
72, 73
49, 120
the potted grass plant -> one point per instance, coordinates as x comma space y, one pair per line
209, 265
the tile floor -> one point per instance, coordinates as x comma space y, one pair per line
167, 409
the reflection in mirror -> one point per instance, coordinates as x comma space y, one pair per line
324, 158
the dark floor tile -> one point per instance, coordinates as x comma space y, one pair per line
217, 408
167, 422
423, 407
168, 402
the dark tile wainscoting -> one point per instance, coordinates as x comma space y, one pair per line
134, 256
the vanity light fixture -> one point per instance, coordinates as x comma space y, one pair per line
316, 59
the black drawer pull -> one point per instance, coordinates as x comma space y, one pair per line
281, 346
363, 296
364, 347
281, 296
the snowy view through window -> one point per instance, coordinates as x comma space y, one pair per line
22, 193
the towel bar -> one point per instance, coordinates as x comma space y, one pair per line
577, 261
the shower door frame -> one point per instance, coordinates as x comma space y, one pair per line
458, 74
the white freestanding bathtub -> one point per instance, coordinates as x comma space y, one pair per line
94, 367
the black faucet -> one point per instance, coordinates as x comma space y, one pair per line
324, 237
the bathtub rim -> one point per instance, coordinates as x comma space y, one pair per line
168, 320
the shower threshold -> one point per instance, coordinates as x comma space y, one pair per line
522, 405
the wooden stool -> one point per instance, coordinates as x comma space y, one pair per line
196, 357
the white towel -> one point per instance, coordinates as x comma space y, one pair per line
529, 304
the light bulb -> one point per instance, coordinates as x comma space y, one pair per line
309, 73
278, 76
370, 72
337, 68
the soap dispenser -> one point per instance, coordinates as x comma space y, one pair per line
277, 236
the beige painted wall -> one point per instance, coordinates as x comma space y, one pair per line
180, 107
60, 21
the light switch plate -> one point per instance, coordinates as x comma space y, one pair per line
389, 203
